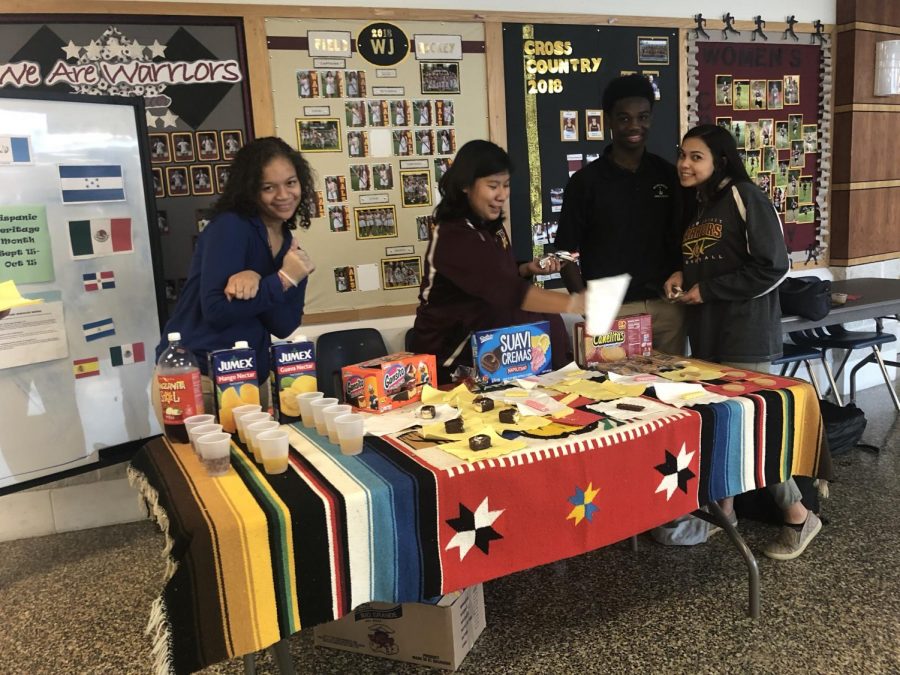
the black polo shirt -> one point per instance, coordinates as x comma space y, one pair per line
622, 221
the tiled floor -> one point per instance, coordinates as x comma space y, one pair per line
78, 602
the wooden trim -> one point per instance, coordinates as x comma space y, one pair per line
260, 78
343, 316
865, 185
496, 87
850, 262
867, 107
871, 27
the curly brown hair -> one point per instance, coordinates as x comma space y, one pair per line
241, 193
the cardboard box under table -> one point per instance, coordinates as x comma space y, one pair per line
437, 635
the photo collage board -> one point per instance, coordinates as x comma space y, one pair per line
554, 77
768, 97
379, 110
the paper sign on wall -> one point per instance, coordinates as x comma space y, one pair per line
25, 254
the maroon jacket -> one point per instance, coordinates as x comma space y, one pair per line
471, 282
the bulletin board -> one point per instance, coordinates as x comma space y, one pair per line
772, 97
555, 75
190, 73
378, 109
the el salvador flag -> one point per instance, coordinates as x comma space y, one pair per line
91, 183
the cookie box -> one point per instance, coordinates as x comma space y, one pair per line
629, 336
511, 352
388, 382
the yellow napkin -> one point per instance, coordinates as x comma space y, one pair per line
600, 391
10, 296
436, 430
693, 373
473, 418
553, 429
499, 446
454, 397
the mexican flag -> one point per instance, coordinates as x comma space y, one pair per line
122, 355
100, 236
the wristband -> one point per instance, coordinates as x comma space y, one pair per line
284, 276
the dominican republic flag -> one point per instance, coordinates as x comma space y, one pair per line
91, 183
15, 150
122, 355
94, 330
95, 281
100, 236
85, 367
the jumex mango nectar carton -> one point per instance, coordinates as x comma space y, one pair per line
512, 352
293, 372
235, 381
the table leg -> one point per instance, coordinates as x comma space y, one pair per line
717, 517
282, 654
249, 664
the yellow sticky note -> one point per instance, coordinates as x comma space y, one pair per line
11, 298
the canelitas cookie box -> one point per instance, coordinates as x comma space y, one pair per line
630, 335
388, 382
514, 351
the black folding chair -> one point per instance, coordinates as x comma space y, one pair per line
341, 348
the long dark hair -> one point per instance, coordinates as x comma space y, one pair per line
475, 159
245, 177
726, 161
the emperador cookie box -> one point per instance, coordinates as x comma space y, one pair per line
511, 352
388, 382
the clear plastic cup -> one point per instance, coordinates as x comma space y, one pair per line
239, 412
273, 448
215, 452
197, 420
317, 406
201, 429
304, 401
249, 418
330, 413
350, 431
252, 432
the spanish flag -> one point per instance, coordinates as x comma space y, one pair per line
86, 367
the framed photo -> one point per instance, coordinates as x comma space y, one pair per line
806, 213
375, 222
183, 144
439, 78
335, 188
758, 94
360, 177
319, 134
222, 172
160, 150
422, 113
207, 146
568, 125
316, 203
792, 90
400, 113
725, 123
383, 175
202, 217
778, 198
177, 181
793, 184
355, 113
724, 95
424, 226
653, 78
790, 209
795, 127
357, 143
810, 144
770, 160
752, 135
653, 50
344, 279
444, 115
752, 163
338, 218
805, 191
355, 83
741, 95
798, 157
415, 188
402, 143
307, 84
232, 141
739, 131
401, 272
766, 132
593, 125
781, 176
764, 181
776, 95
446, 141
159, 188
378, 113
781, 136
441, 166
202, 179
162, 222
331, 84
424, 142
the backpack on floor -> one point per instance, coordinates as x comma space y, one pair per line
844, 426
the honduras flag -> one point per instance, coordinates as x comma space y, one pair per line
91, 183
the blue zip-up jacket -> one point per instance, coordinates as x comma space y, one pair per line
207, 320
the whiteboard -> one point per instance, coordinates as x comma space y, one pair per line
51, 420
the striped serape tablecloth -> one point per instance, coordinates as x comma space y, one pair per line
254, 558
